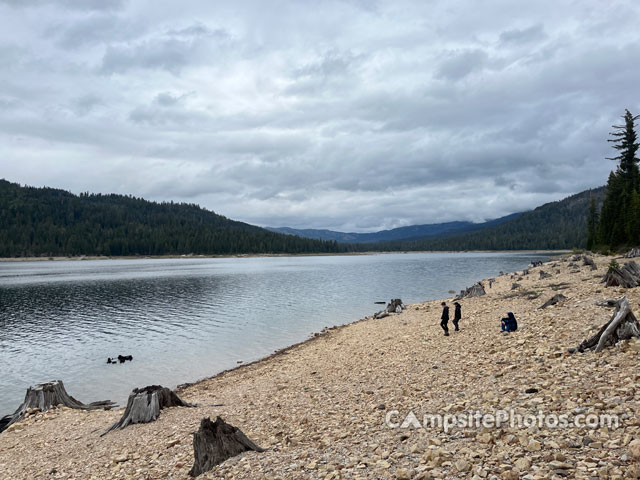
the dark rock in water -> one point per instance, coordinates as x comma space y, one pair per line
215, 442
124, 358
380, 303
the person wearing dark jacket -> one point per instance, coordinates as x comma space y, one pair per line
457, 315
445, 319
510, 323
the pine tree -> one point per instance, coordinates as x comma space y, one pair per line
619, 216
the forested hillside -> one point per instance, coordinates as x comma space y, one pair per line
49, 222
555, 225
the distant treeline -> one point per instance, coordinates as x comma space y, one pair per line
51, 222
553, 226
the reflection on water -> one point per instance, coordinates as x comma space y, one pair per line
184, 319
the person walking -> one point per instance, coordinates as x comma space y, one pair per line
445, 319
457, 315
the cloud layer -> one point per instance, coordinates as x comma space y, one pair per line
347, 115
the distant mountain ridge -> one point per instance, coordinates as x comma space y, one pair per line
552, 226
395, 234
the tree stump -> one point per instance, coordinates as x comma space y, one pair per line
475, 291
553, 300
395, 306
215, 442
144, 405
634, 252
627, 276
48, 395
623, 325
588, 261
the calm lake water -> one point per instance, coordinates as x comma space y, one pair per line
185, 319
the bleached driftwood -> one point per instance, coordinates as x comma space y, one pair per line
144, 405
45, 396
215, 442
623, 325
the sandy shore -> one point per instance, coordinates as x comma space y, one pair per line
320, 408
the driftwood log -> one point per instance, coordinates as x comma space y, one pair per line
475, 291
144, 405
553, 300
623, 325
627, 276
45, 396
215, 442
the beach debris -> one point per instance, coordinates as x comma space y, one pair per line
46, 396
144, 405
215, 442
627, 276
476, 290
623, 325
515, 286
553, 300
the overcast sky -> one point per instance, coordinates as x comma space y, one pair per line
350, 115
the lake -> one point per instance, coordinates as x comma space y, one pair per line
189, 318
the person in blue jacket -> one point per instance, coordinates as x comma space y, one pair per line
509, 324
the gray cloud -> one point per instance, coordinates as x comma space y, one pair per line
355, 116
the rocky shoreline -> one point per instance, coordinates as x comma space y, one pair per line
333, 407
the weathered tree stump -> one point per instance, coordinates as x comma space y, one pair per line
553, 300
215, 442
588, 261
45, 396
395, 306
634, 252
627, 276
476, 290
623, 325
144, 405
